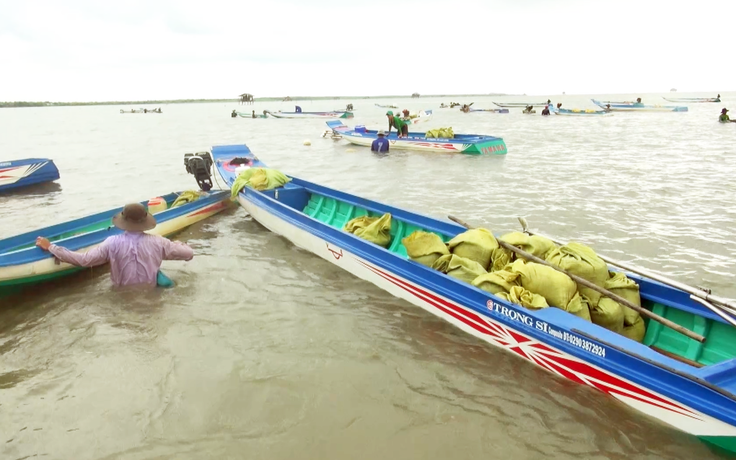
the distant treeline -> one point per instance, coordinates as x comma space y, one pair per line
186, 101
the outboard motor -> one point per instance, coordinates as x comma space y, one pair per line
199, 165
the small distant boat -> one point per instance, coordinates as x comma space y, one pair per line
580, 112
387, 106
250, 115
141, 111
489, 110
311, 114
693, 99
520, 104
471, 144
23, 264
638, 107
21, 173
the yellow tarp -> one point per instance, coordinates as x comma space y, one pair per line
186, 197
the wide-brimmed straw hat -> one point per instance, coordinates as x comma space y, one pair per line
134, 218
724, 110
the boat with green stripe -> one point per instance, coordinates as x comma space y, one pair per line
685, 381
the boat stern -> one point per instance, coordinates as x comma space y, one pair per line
490, 146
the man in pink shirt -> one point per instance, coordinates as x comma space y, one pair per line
135, 257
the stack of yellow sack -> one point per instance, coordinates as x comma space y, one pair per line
476, 257
444, 133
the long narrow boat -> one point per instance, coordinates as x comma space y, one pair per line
580, 112
471, 144
489, 110
386, 106
23, 264
311, 114
520, 104
697, 400
693, 99
29, 171
250, 115
638, 107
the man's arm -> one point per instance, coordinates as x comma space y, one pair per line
174, 250
92, 258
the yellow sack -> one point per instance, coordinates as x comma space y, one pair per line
578, 306
259, 179
186, 197
582, 261
497, 282
424, 247
636, 331
609, 314
500, 257
476, 244
533, 244
374, 229
459, 267
526, 299
557, 288
622, 286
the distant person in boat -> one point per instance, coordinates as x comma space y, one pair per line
406, 113
234, 114
135, 257
724, 118
545, 110
253, 114
528, 109
402, 130
298, 109
443, 106
607, 108
549, 101
718, 98
380, 145
638, 100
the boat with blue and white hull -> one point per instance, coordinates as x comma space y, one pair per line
580, 112
29, 171
311, 114
489, 110
470, 144
693, 391
520, 104
638, 107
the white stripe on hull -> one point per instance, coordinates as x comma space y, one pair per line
695, 423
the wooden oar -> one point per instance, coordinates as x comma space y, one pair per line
602, 291
705, 295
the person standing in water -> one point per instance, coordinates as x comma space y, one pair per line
724, 118
380, 145
135, 257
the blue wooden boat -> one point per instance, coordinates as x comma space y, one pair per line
471, 144
520, 104
490, 110
638, 107
22, 264
30, 171
341, 114
685, 383
580, 112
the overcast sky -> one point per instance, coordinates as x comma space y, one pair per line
98, 50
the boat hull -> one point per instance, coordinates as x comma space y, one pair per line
22, 173
693, 99
28, 265
520, 104
636, 107
581, 113
311, 114
462, 143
